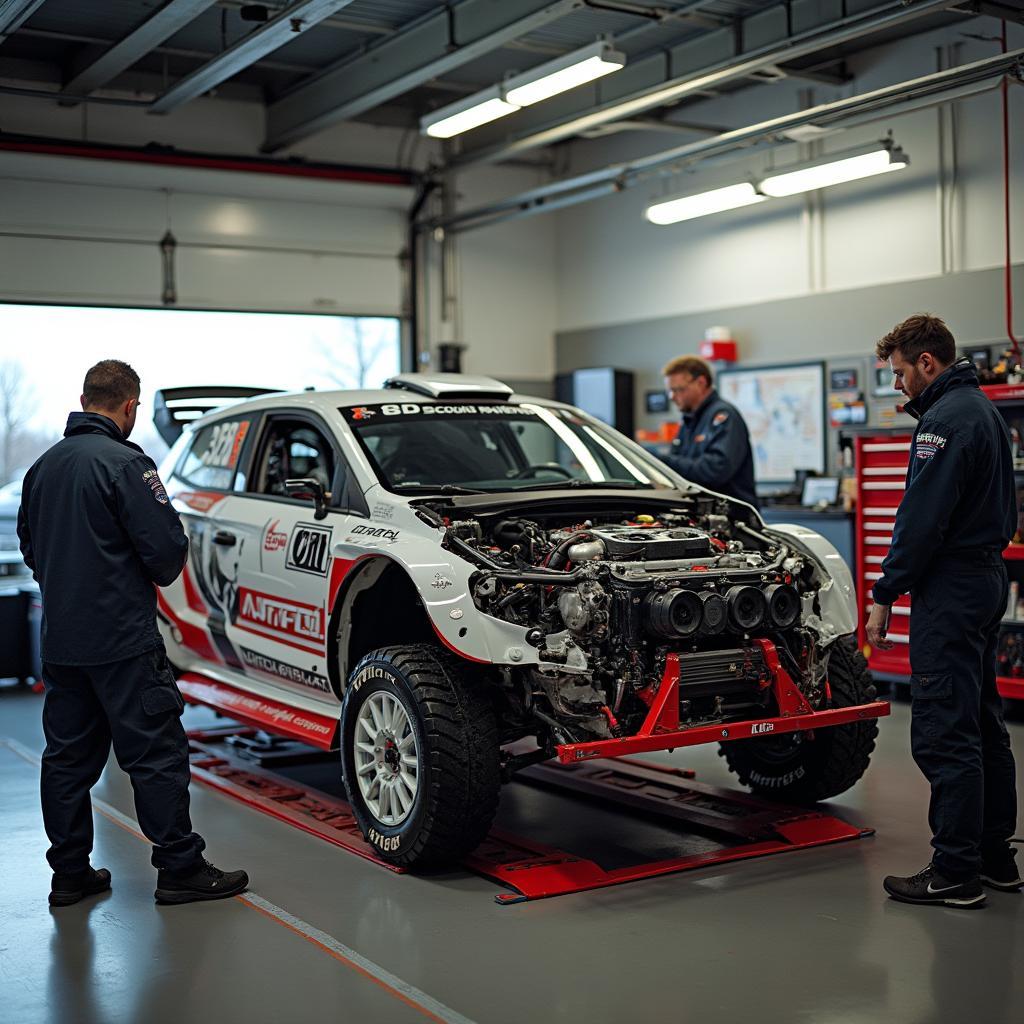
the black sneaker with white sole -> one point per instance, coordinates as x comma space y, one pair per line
928, 886
1001, 872
204, 882
66, 889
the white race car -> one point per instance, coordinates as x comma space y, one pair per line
427, 575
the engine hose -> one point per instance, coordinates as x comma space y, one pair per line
558, 553
559, 579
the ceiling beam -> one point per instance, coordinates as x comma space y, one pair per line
864, 108
685, 70
14, 13
1002, 11
122, 55
299, 17
431, 46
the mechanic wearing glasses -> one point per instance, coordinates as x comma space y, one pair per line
99, 533
957, 515
712, 447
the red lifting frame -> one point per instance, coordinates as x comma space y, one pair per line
661, 731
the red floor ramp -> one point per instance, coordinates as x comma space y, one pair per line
307, 809
740, 825
751, 827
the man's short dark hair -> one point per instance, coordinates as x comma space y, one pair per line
110, 383
693, 366
918, 334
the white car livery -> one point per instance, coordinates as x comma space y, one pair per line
446, 581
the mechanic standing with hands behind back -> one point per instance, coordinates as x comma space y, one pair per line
957, 515
99, 534
712, 447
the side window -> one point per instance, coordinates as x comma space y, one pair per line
292, 449
212, 457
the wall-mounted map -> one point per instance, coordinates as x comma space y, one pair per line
784, 407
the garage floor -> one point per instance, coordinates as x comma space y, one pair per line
807, 936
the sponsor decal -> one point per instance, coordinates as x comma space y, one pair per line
291, 673
274, 539
200, 501
720, 417
310, 549
279, 615
384, 843
225, 444
383, 511
152, 478
380, 532
361, 413
440, 582
761, 727
273, 712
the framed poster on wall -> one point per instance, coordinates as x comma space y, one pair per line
784, 408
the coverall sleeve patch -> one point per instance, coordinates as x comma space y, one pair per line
152, 478
927, 446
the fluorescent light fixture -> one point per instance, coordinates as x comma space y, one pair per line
549, 79
834, 169
687, 207
564, 73
471, 112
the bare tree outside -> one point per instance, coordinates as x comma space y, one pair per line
365, 351
17, 404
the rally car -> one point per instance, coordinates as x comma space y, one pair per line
446, 582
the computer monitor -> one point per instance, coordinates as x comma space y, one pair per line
819, 489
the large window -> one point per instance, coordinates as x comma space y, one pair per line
45, 351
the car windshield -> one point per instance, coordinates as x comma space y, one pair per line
418, 448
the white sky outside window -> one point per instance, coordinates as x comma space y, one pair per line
55, 345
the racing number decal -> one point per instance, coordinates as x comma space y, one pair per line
225, 444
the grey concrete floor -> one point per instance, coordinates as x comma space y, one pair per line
803, 937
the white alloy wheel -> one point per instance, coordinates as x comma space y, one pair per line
386, 758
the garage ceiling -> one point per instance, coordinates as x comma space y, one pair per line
317, 63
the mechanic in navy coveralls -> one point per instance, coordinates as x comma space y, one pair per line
99, 534
957, 515
712, 447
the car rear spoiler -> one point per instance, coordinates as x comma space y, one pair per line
173, 408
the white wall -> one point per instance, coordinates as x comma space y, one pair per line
614, 267
505, 281
84, 231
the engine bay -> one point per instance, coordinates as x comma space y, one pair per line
606, 597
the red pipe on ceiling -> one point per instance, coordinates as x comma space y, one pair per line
170, 157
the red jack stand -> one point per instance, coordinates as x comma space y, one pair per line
749, 827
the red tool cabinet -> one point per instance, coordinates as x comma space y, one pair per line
880, 461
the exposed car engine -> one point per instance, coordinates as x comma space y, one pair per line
625, 592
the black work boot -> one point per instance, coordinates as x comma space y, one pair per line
66, 889
929, 886
203, 882
999, 870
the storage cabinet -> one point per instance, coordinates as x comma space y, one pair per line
880, 465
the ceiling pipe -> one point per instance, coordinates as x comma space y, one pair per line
889, 101
169, 157
844, 30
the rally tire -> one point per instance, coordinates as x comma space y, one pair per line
797, 769
457, 749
